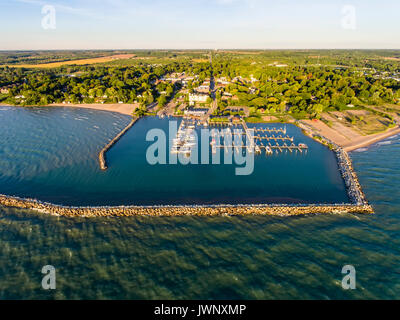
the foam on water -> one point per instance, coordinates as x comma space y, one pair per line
383, 143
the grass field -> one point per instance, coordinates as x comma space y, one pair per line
361, 121
199, 60
74, 62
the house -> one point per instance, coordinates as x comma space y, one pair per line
6, 89
197, 97
252, 79
203, 88
253, 90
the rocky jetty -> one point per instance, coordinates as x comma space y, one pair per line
217, 210
102, 154
354, 190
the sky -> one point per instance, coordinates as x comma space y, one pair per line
199, 24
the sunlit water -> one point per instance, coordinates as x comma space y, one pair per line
195, 258
52, 155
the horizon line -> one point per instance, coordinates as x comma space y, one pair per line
205, 49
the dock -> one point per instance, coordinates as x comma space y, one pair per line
258, 140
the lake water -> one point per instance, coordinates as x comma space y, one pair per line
192, 257
51, 155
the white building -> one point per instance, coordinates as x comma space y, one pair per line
197, 97
195, 112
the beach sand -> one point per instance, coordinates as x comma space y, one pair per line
127, 109
371, 139
348, 139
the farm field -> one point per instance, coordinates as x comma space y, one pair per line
74, 62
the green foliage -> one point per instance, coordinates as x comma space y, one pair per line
311, 83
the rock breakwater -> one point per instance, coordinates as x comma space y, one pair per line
102, 154
217, 210
354, 189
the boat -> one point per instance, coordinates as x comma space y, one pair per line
268, 150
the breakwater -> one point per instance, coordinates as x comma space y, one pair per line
216, 210
354, 189
102, 154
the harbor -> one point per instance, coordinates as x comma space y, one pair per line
280, 176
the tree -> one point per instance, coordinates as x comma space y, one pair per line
162, 100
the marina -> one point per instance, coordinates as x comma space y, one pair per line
71, 176
185, 139
237, 137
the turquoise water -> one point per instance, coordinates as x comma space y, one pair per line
207, 258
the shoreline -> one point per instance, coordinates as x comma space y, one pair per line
128, 109
372, 139
210, 210
121, 108
348, 143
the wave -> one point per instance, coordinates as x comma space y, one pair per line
383, 143
361, 150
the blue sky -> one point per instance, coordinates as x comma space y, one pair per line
216, 24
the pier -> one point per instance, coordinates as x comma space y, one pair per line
185, 139
102, 154
273, 130
258, 140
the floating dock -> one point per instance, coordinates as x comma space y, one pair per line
255, 138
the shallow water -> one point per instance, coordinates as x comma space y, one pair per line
207, 258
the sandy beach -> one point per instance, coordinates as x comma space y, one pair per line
371, 139
348, 139
127, 109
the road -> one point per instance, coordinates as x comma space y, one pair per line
214, 104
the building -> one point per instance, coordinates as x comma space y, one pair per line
197, 113
197, 97
6, 89
205, 87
